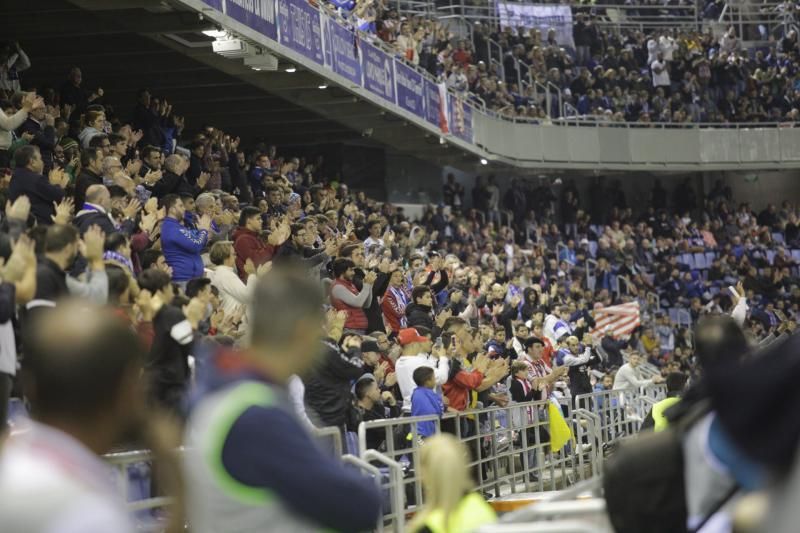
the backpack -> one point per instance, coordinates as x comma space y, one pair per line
643, 480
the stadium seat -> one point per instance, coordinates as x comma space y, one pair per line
700, 261
593, 248
778, 237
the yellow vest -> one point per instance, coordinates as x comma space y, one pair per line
660, 421
471, 513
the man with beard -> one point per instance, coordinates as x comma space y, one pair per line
346, 297
355, 252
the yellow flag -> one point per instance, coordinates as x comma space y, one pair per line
560, 432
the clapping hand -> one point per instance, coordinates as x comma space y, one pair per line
20, 209
64, 210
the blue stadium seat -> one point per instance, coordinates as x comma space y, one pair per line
771, 256
593, 248
710, 256
796, 255
700, 261
17, 409
778, 237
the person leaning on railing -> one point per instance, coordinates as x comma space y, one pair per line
451, 506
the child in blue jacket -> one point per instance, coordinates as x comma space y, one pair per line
424, 401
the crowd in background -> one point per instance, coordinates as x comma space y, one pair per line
175, 231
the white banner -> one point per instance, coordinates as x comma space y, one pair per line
543, 17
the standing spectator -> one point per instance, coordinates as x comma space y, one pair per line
660, 71
182, 246
234, 294
345, 297
91, 174
613, 348
28, 180
41, 126
250, 244
453, 192
581, 35
13, 60
493, 201
394, 302
629, 377
148, 120
244, 429
82, 368
173, 337
416, 353
425, 401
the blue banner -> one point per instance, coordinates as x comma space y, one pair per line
432, 103
341, 51
410, 84
216, 4
300, 28
256, 14
378, 72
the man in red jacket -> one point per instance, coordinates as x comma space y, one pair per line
346, 297
248, 242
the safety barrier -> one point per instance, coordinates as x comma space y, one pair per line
619, 413
509, 448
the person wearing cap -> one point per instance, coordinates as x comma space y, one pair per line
381, 368
415, 354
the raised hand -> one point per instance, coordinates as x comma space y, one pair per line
148, 222
249, 267
202, 180
204, 223
21, 260
132, 209
20, 209
152, 177
151, 206
92, 244
64, 211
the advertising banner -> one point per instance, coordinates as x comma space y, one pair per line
460, 118
410, 85
256, 14
378, 72
300, 29
216, 4
341, 51
539, 16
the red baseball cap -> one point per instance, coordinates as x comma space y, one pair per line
409, 335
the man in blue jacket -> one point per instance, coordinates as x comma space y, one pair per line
251, 465
182, 246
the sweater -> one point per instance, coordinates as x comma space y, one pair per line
249, 245
182, 248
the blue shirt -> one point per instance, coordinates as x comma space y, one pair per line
182, 248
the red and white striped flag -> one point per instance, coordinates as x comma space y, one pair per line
622, 319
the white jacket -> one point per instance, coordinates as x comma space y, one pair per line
233, 293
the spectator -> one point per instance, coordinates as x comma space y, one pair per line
345, 297
628, 376
372, 404
82, 370
416, 353
182, 246
655, 419
394, 303
424, 401
450, 504
233, 292
28, 180
40, 126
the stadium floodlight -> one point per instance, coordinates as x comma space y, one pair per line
323, 85
231, 48
261, 60
291, 69
484, 161
216, 33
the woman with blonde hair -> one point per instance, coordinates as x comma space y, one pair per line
450, 504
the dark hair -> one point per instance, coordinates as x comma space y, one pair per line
24, 155
195, 286
149, 150
169, 201
149, 257
118, 283
341, 265
59, 237
419, 292
422, 375
297, 228
454, 322
530, 341
348, 249
153, 280
362, 385
114, 241
77, 372
718, 339
115, 138
89, 155
115, 191
248, 213
195, 145
97, 140
676, 381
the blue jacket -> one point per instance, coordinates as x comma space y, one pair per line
426, 402
182, 248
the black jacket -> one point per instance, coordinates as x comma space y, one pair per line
171, 183
419, 315
43, 136
327, 395
168, 363
38, 190
85, 179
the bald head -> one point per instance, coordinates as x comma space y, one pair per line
80, 362
99, 195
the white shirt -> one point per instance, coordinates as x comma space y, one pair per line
370, 242
233, 293
629, 378
667, 46
652, 50
661, 79
51, 483
405, 366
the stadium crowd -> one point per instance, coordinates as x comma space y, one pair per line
187, 239
654, 74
